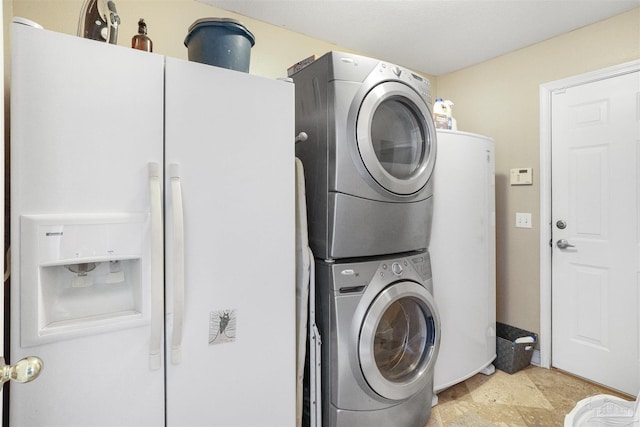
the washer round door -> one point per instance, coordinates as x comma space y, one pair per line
399, 340
396, 138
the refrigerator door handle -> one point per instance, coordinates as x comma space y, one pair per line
178, 263
157, 269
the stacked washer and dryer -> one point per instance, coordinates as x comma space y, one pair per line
368, 161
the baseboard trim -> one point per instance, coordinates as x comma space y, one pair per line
535, 357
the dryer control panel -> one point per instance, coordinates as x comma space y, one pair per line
393, 72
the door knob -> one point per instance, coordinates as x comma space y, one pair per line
24, 371
564, 244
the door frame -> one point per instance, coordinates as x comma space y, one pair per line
546, 92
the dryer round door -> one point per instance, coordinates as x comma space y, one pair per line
396, 138
399, 340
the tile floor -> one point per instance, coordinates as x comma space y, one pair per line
533, 396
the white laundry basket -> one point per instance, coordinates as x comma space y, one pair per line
604, 410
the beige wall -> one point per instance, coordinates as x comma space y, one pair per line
168, 22
500, 98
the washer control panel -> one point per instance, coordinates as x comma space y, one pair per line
422, 264
396, 268
356, 277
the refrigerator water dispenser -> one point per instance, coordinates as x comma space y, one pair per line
82, 275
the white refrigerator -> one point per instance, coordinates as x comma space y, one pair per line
152, 233
463, 256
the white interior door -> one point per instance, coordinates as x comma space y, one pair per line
2, 186
595, 235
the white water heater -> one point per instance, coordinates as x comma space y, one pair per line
463, 256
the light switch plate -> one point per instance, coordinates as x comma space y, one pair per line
522, 176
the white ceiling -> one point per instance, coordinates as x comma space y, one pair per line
431, 36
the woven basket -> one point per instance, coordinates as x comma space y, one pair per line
512, 357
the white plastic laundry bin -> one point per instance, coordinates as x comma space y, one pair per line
604, 410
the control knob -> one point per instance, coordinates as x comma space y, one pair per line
396, 268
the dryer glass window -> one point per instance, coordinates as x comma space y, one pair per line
402, 340
398, 137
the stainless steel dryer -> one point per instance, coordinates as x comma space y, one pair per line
381, 335
369, 156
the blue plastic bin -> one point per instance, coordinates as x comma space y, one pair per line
221, 42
